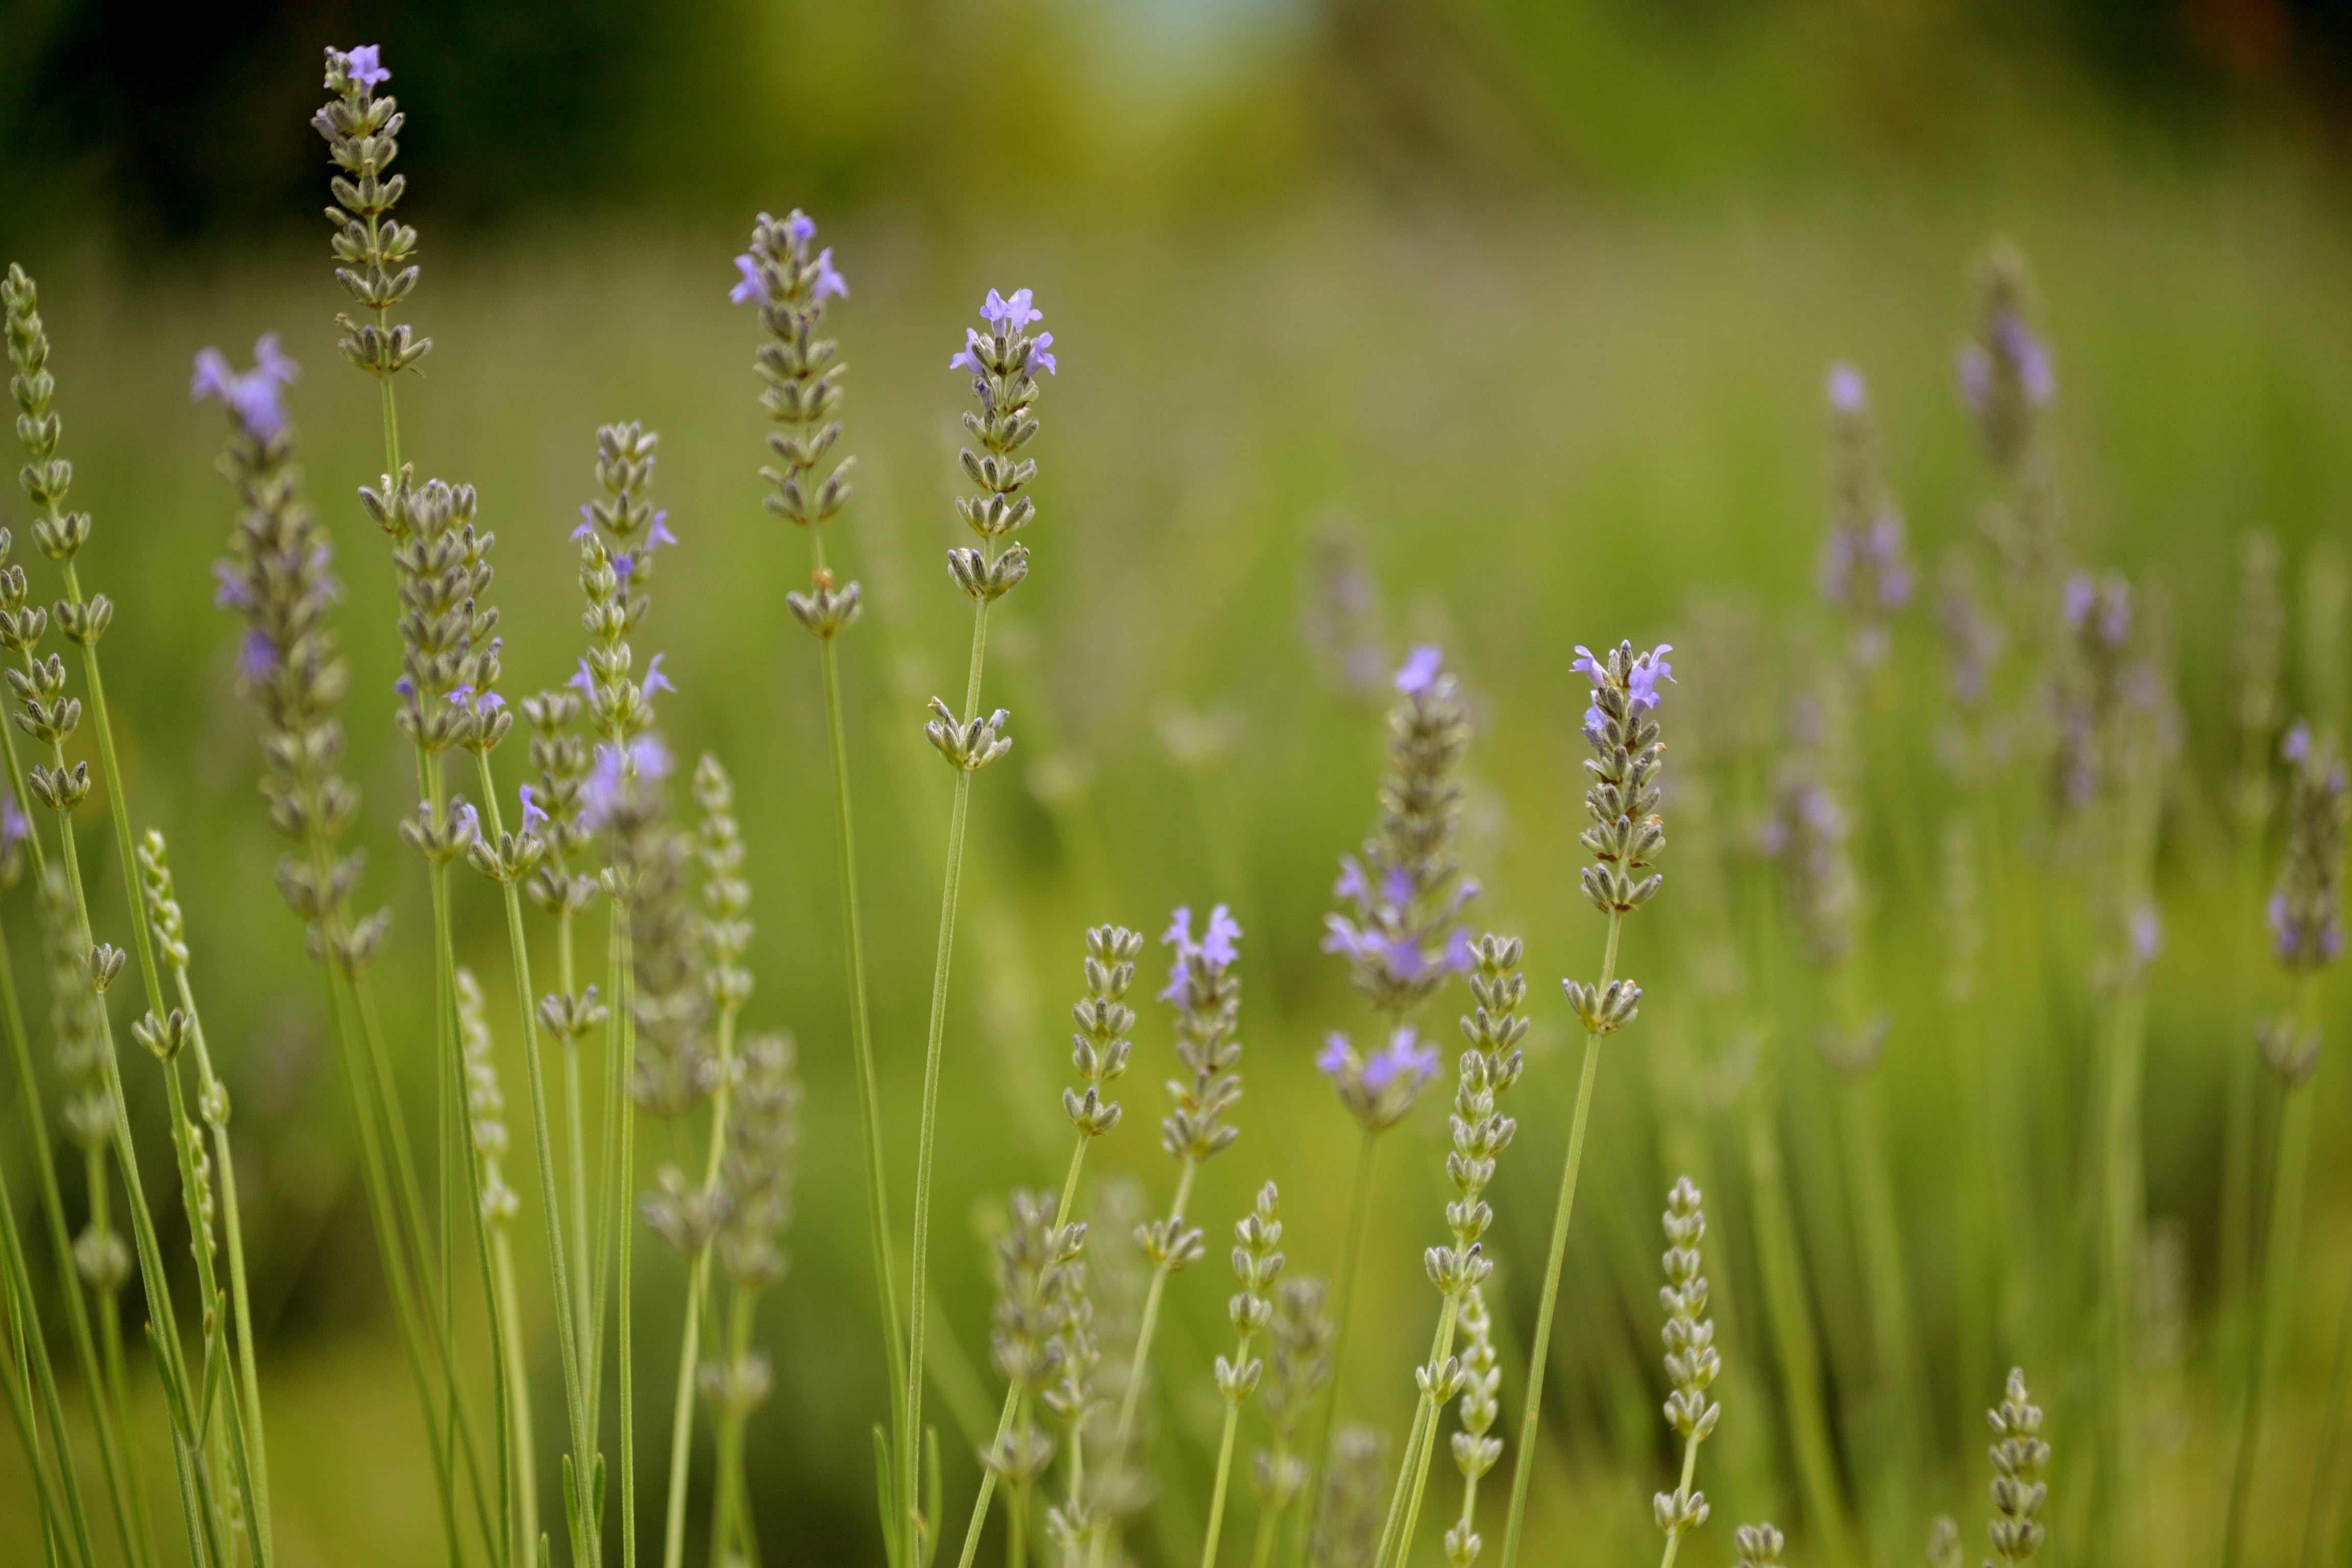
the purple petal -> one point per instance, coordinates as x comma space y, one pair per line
752, 286
1421, 670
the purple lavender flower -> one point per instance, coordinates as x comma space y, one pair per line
587, 523
583, 682
752, 286
969, 358
798, 226
251, 396
14, 829
1848, 394
234, 593
469, 821
534, 818
1216, 951
655, 680
829, 284
1421, 670
1039, 359
365, 64
1641, 683
1379, 1090
257, 657
659, 534
2146, 934
1011, 314
2305, 911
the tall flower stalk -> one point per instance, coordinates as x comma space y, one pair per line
1625, 838
2306, 917
1207, 996
40, 430
1003, 363
1400, 897
1299, 1365
789, 281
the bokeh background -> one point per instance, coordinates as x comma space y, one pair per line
1497, 323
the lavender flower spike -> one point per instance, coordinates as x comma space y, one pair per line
1379, 1090
250, 396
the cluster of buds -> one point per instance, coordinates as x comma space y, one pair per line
1378, 1089
84, 1058
45, 477
1255, 1264
1759, 1545
1481, 1132
1863, 572
1475, 1453
1027, 1343
2306, 912
2018, 1458
559, 755
1005, 361
1207, 996
726, 896
617, 535
166, 1037
2008, 382
1691, 1360
277, 578
485, 1104
372, 250
1397, 931
1298, 1366
675, 1069
1626, 835
1349, 1514
1099, 1048
763, 1134
969, 744
449, 646
1074, 1401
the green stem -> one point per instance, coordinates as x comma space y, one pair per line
2243, 1066
525, 1464
1351, 1249
2123, 1207
2275, 1301
130, 1525
927, 1136
1793, 1332
1690, 1469
1269, 1525
681, 1422
1412, 1476
1522, 1467
861, 1026
33, 1357
728, 1520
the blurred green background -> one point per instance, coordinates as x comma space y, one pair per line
1508, 317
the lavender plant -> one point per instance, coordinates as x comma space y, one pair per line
1004, 363
1625, 838
2019, 1458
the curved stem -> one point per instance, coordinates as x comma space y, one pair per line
1412, 1476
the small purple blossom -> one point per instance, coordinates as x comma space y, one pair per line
1403, 1061
587, 523
624, 565
1219, 946
1332, 1061
799, 227
969, 358
257, 657
365, 64
659, 534
533, 818
404, 688
469, 821
1012, 314
1421, 668
1848, 394
829, 284
1642, 681
581, 681
655, 680
752, 286
1351, 885
14, 829
234, 593
1039, 359
250, 396
2296, 747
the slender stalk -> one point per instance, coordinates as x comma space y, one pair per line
1351, 1248
33, 1357
1522, 1467
2243, 1067
2271, 1309
681, 1422
1140, 1364
1412, 1476
526, 1466
927, 1136
1217, 1491
1690, 1469
130, 1528
861, 1024
728, 1515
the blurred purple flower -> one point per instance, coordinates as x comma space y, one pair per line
1848, 394
1421, 668
1011, 314
751, 287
